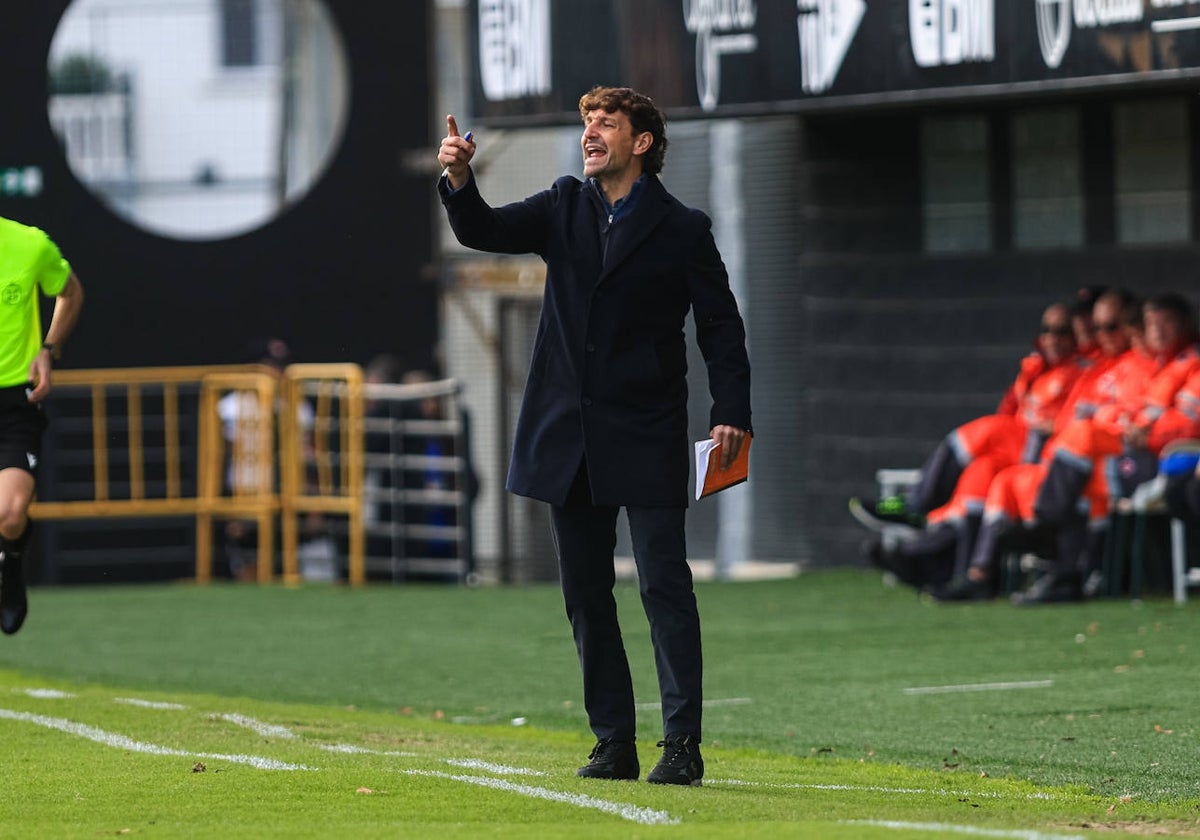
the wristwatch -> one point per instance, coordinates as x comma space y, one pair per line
55, 353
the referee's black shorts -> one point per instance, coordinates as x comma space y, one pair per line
21, 427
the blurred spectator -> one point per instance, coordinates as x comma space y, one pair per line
245, 473
420, 451
1082, 306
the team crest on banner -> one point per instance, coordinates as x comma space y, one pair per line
1054, 29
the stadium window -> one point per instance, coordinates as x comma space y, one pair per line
955, 207
251, 33
1153, 202
1047, 179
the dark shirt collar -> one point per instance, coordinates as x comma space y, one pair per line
622, 206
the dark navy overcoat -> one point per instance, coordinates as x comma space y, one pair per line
607, 380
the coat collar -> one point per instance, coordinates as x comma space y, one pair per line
633, 229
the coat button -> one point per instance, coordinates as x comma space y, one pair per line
587, 400
591, 348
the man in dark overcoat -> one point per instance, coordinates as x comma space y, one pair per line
603, 423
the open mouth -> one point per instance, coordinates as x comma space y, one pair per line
593, 152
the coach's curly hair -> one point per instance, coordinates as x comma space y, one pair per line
643, 115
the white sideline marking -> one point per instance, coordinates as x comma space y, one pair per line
501, 769
966, 829
148, 704
47, 693
267, 730
123, 742
726, 701
351, 749
995, 686
271, 730
881, 789
633, 813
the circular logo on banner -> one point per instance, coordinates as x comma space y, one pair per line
11, 294
1054, 29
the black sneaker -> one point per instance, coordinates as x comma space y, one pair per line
13, 604
878, 515
1051, 588
680, 764
964, 589
611, 759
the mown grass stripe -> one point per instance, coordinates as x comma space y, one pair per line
123, 742
633, 813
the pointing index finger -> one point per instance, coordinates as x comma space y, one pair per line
451, 126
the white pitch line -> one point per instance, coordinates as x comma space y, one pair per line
271, 730
267, 730
149, 704
966, 829
880, 789
633, 813
352, 749
499, 769
47, 693
724, 701
123, 742
994, 686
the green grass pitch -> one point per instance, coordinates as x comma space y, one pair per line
837, 708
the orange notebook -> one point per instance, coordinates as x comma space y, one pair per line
710, 478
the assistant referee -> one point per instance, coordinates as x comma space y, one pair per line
29, 262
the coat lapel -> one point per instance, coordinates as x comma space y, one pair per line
632, 230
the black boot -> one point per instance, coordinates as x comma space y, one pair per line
611, 759
680, 764
14, 605
968, 535
1055, 587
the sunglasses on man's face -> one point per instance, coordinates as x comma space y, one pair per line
1053, 329
1111, 326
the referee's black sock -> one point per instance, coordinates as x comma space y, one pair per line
14, 604
17, 546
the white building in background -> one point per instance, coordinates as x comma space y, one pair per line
203, 134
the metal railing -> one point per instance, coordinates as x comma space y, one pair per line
229, 469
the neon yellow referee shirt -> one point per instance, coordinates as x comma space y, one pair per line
29, 260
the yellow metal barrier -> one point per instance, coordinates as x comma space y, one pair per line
235, 467
322, 466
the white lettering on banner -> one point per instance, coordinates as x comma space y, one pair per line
1055, 19
827, 28
514, 48
1092, 13
720, 27
952, 31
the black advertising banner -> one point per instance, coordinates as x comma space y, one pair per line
533, 58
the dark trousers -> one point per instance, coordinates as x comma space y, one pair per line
585, 537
